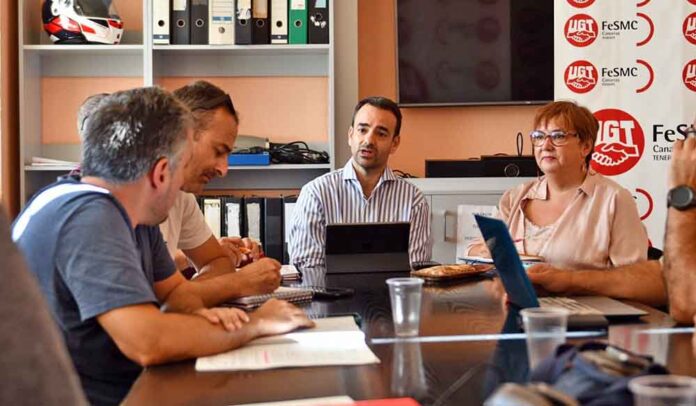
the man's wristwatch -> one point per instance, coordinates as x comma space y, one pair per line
681, 197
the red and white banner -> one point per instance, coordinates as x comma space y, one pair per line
633, 64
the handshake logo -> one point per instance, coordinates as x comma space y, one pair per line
620, 142
581, 76
581, 30
689, 28
689, 75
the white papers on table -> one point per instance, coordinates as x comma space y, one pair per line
526, 260
334, 341
466, 259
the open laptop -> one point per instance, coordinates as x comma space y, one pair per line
367, 247
586, 311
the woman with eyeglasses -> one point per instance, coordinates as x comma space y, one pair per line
571, 216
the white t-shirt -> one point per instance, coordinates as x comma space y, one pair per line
185, 228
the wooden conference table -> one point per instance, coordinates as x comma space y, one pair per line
464, 372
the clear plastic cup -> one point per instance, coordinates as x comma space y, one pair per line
405, 295
545, 329
658, 390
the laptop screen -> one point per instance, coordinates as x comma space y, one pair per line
507, 261
367, 238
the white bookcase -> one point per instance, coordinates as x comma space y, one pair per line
137, 58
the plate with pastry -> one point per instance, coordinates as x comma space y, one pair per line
446, 273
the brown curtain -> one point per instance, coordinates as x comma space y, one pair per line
9, 106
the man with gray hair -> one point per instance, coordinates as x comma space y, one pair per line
102, 264
88, 106
188, 237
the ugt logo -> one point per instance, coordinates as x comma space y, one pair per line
620, 142
689, 75
581, 76
689, 28
581, 3
580, 30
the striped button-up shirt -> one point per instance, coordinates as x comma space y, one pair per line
337, 197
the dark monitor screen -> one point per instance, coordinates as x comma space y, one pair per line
453, 52
367, 238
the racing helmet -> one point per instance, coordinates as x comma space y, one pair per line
82, 21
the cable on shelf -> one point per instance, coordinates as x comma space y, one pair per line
296, 152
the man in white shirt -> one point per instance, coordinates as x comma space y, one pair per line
215, 123
365, 190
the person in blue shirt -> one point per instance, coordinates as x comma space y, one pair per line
102, 264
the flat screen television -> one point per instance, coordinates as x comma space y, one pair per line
463, 52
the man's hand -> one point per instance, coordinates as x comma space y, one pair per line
230, 318
683, 166
262, 276
278, 317
550, 278
241, 250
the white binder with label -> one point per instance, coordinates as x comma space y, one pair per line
212, 213
160, 22
279, 25
253, 217
221, 22
234, 218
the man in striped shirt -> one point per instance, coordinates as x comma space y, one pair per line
364, 191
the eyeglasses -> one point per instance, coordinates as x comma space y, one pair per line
219, 101
558, 137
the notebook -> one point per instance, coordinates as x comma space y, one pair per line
292, 295
289, 273
585, 311
527, 260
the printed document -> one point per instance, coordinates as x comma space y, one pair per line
334, 341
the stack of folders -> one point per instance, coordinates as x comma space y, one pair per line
292, 295
333, 341
264, 219
241, 22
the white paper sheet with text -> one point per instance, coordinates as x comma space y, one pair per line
334, 341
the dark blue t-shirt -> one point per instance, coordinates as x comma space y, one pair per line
79, 243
